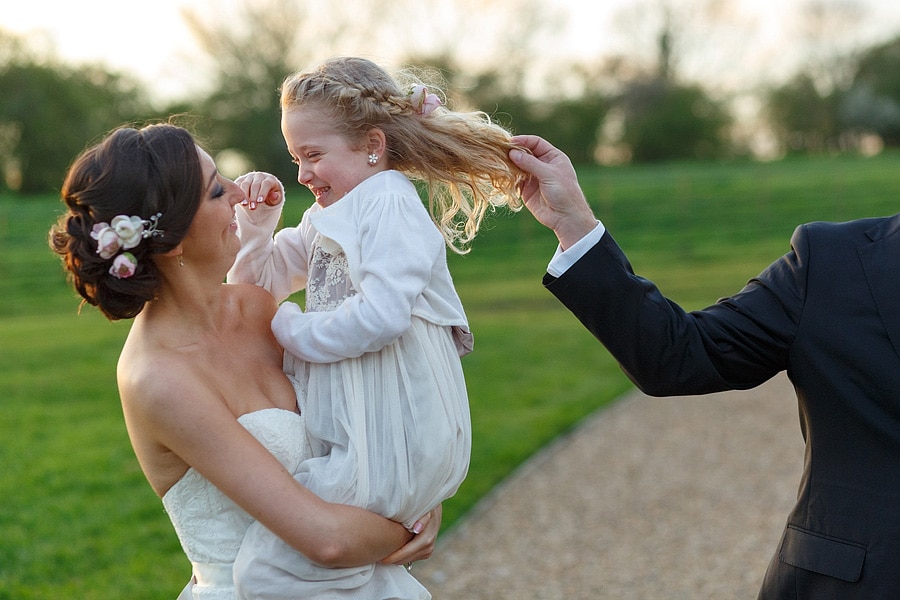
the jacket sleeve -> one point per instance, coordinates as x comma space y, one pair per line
737, 343
280, 263
399, 245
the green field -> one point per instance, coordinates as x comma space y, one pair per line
77, 519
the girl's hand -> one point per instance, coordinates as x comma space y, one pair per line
259, 188
421, 546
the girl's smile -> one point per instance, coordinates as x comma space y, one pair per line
328, 163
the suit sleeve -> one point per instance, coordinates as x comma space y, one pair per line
737, 343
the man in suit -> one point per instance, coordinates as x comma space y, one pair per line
827, 312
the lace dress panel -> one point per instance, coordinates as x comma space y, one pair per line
329, 283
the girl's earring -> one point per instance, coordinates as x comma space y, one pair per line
180, 261
373, 159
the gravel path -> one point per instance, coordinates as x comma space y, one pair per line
650, 498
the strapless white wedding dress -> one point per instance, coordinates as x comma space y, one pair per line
209, 525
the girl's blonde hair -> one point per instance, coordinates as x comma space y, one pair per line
463, 157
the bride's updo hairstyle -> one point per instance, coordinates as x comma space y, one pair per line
153, 179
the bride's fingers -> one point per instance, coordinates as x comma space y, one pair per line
420, 525
421, 546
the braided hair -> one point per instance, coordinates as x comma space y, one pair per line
463, 157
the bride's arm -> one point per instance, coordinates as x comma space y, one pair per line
422, 546
184, 416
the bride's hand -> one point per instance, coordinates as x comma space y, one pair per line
422, 544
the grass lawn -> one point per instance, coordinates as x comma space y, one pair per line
79, 521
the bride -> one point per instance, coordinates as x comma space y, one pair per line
149, 234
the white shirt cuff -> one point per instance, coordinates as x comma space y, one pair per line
563, 259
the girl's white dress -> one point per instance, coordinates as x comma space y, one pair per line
379, 346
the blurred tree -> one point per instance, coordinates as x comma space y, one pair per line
48, 112
656, 116
667, 121
825, 33
872, 104
251, 53
802, 118
572, 123
831, 101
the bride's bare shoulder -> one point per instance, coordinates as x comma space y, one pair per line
251, 297
253, 301
152, 376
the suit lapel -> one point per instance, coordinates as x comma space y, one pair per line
881, 262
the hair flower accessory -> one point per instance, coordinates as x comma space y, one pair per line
108, 242
123, 233
123, 266
423, 103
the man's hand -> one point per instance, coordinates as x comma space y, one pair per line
552, 193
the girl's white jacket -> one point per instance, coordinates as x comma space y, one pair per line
398, 267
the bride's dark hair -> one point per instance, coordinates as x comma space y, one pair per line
132, 172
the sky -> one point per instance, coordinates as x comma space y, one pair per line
151, 40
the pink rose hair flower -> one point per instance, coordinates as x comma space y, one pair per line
423, 102
123, 266
108, 242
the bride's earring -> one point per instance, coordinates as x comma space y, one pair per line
373, 159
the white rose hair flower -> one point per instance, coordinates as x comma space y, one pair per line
129, 229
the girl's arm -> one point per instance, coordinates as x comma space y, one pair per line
185, 417
399, 247
278, 264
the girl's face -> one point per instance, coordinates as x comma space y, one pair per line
328, 164
213, 232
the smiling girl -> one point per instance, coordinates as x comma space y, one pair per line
380, 342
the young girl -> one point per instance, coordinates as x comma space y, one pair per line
379, 345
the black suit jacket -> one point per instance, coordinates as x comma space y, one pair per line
828, 313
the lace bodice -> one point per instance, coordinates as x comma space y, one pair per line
209, 525
329, 276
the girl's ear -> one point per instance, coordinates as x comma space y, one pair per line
376, 141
